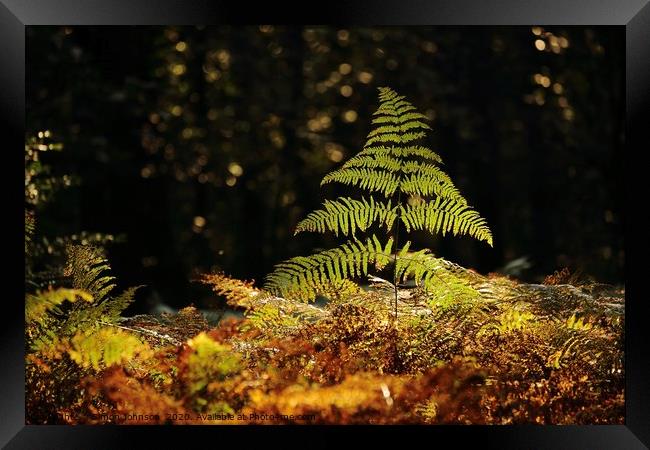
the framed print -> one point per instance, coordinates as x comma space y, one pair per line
389, 218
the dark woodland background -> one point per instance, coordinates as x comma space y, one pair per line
202, 147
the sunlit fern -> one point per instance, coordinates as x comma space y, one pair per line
393, 165
104, 347
302, 277
89, 273
238, 293
264, 311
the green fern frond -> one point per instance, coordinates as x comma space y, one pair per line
396, 164
304, 277
384, 129
392, 164
417, 150
418, 178
386, 94
88, 269
403, 120
368, 179
426, 169
347, 215
40, 304
113, 308
413, 125
399, 152
376, 161
412, 116
104, 348
395, 138
428, 185
445, 216
105, 311
395, 110
277, 314
437, 276
90, 273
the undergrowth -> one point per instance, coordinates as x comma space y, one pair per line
546, 354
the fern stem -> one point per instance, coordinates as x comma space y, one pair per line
396, 233
140, 330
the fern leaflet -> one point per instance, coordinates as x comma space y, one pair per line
304, 277
346, 215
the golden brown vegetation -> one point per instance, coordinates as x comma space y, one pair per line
548, 354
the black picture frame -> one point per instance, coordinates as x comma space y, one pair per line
633, 15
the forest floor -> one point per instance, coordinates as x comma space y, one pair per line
548, 353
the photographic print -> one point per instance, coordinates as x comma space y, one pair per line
315, 225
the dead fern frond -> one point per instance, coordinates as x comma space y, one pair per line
238, 293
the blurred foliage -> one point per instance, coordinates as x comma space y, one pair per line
45, 255
201, 144
39, 186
